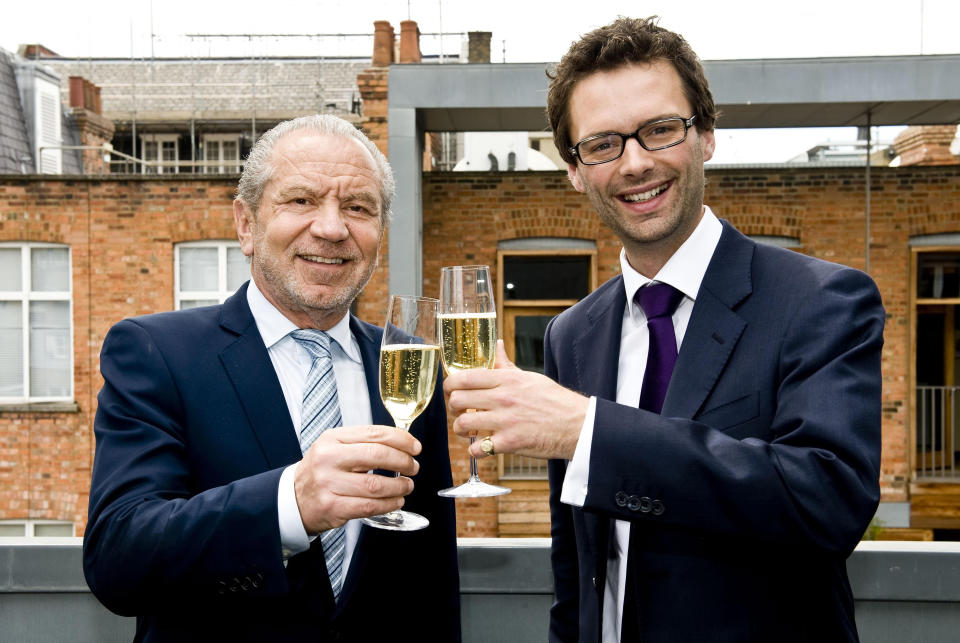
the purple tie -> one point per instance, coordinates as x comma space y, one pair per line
658, 302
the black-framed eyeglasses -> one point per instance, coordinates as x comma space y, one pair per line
652, 136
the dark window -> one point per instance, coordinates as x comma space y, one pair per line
546, 277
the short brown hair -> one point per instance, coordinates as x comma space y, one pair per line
625, 41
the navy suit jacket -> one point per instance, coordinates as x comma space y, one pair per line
192, 435
756, 482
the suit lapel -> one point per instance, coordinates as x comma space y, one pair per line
714, 327
248, 365
596, 350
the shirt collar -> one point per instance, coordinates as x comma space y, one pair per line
686, 268
274, 325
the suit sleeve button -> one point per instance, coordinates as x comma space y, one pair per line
658, 508
633, 503
645, 505
621, 499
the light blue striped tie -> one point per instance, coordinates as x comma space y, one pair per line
321, 411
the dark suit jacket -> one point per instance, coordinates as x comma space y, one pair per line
753, 486
192, 435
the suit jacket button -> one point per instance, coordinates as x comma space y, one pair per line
658, 508
621, 499
645, 504
593, 580
633, 503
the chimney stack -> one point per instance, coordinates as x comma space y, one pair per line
478, 46
926, 145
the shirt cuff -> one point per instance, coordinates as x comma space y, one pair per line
293, 535
574, 490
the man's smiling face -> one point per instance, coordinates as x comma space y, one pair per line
313, 243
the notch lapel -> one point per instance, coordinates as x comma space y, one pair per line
714, 328
248, 366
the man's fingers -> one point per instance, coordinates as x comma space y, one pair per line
377, 434
364, 456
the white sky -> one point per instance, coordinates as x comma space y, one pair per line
522, 31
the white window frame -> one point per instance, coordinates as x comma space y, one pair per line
159, 139
225, 166
30, 527
222, 291
26, 295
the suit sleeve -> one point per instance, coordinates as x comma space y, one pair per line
563, 550
801, 468
152, 540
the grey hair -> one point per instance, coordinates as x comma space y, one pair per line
258, 168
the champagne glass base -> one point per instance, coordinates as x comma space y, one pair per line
397, 521
474, 488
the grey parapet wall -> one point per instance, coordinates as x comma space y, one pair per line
906, 592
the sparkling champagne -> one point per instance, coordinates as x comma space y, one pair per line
408, 375
469, 340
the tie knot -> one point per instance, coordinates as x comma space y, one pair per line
317, 342
658, 300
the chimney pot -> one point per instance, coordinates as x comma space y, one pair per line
383, 37
409, 42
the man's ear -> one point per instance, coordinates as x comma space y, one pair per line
573, 173
709, 143
243, 219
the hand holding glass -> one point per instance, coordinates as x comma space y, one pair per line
468, 329
409, 362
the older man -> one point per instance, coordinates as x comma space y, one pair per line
234, 441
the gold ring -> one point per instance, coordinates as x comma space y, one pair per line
486, 445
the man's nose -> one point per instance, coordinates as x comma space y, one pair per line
635, 159
328, 222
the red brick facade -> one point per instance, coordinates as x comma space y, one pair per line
122, 233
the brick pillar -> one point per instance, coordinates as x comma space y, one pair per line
478, 46
409, 42
94, 130
926, 145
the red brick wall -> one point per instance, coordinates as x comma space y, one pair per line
122, 231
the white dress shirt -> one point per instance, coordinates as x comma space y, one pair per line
292, 363
684, 271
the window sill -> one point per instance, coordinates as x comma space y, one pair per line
39, 407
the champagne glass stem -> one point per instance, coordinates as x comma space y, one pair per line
474, 474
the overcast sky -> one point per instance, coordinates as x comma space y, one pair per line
522, 31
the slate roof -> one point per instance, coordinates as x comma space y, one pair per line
208, 89
16, 152
14, 142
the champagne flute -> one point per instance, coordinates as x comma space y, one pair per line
468, 329
409, 363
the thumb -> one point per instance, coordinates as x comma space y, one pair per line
501, 360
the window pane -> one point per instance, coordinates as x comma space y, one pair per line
196, 303
50, 349
50, 269
54, 529
238, 270
13, 530
528, 341
10, 277
938, 275
11, 349
539, 277
198, 269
